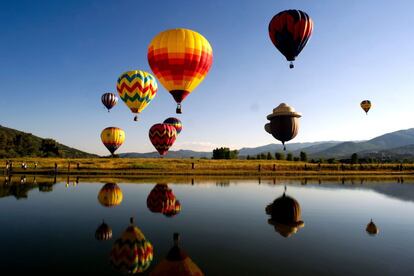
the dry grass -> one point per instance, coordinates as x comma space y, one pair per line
160, 166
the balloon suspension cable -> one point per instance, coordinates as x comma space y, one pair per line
291, 66
108, 111
131, 220
136, 118
178, 110
284, 147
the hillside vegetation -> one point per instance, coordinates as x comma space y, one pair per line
14, 143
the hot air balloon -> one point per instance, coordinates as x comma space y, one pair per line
132, 253
109, 100
285, 215
366, 105
161, 199
112, 138
176, 263
174, 122
284, 123
137, 89
372, 229
104, 232
180, 59
289, 31
162, 136
110, 195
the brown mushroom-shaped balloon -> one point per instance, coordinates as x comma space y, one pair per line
371, 228
176, 263
285, 215
104, 232
284, 123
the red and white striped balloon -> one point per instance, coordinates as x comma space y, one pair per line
109, 100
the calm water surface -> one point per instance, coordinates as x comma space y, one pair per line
50, 228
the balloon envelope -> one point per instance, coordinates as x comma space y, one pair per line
110, 195
137, 89
284, 123
289, 31
177, 263
112, 138
180, 59
174, 122
366, 105
109, 100
132, 252
162, 136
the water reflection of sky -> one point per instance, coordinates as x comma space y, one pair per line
223, 227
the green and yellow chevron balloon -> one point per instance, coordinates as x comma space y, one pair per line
137, 89
132, 252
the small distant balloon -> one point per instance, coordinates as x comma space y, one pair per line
162, 136
289, 31
366, 106
109, 100
175, 123
137, 89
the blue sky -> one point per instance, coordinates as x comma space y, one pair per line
58, 57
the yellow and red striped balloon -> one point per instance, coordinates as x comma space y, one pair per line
137, 89
112, 138
180, 59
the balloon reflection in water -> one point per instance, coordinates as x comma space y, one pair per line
372, 229
110, 195
176, 263
285, 215
162, 200
104, 232
132, 252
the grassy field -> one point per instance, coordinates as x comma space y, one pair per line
160, 166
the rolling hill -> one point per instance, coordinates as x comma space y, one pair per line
396, 145
386, 144
15, 143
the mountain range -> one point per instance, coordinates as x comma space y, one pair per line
395, 145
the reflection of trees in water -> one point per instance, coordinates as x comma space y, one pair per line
19, 186
223, 183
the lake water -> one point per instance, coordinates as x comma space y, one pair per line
50, 228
